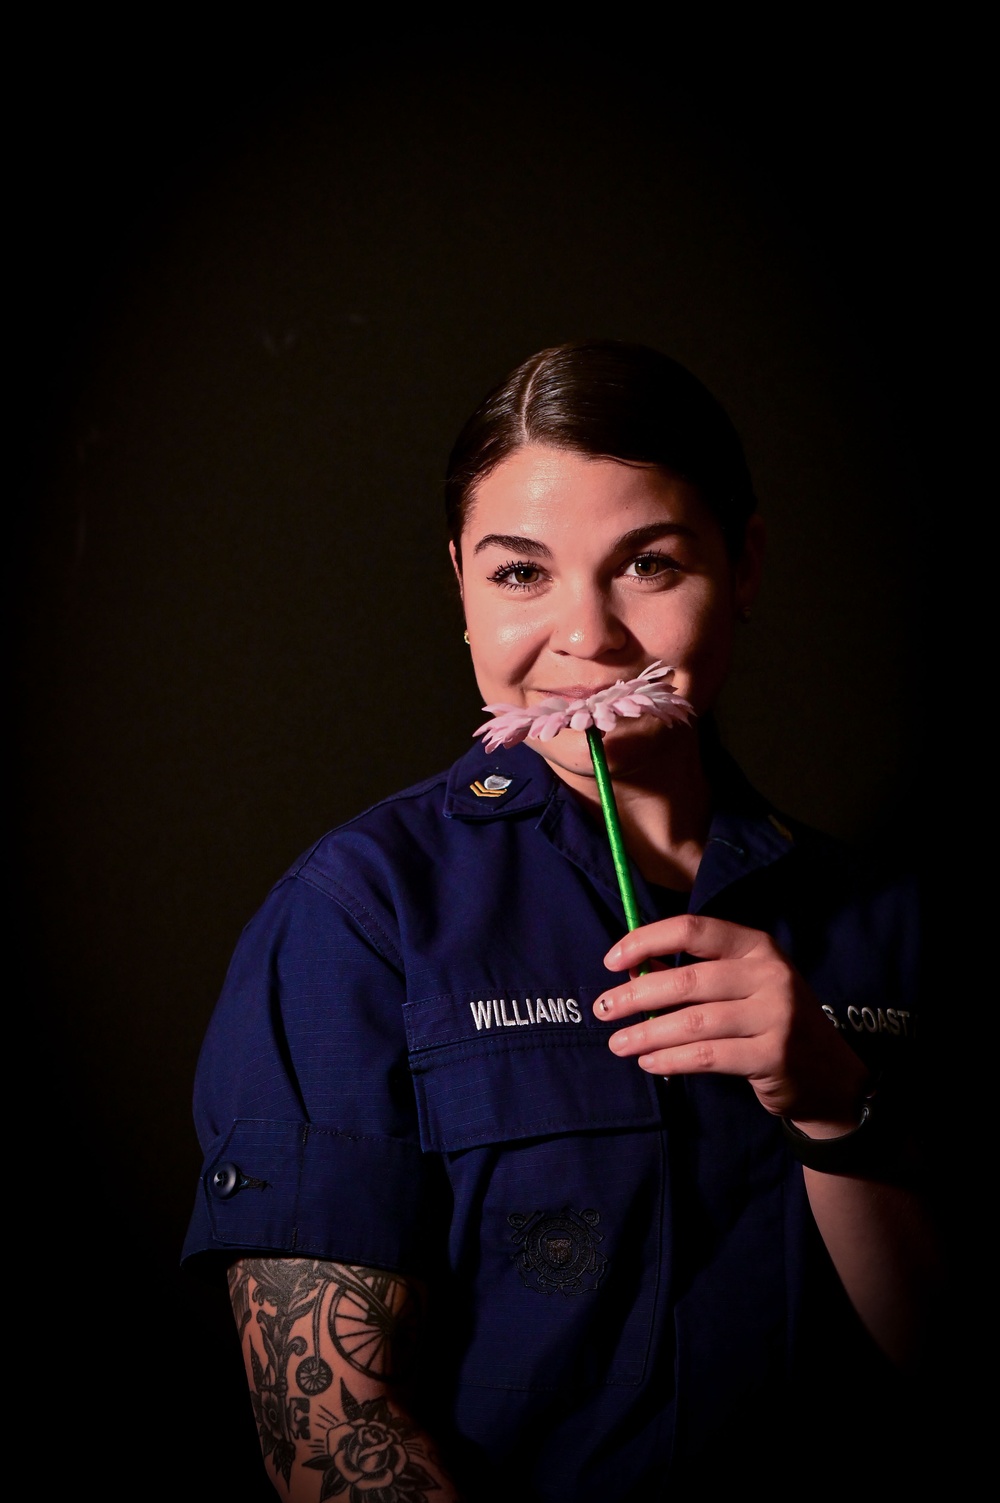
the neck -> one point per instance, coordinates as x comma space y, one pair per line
664, 812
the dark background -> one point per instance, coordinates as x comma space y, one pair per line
255, 297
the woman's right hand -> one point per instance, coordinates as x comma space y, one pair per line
740, 1008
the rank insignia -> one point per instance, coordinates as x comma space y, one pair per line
492, 787
557, 1251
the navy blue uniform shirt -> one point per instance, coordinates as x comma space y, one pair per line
404, 1071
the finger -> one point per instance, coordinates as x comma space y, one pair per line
711, 1057
650, 965
690, 1027
678, 986
690, 933
727, 1055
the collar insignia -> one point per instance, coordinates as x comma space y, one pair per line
492, 787
782, 830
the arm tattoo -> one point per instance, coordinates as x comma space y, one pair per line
360, 1447
371, 1453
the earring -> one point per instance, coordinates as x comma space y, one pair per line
465, 638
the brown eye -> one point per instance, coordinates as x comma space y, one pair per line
517, 576
648, 566
652, 566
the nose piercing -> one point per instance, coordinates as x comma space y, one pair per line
576, 636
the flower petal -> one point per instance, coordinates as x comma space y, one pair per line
547, 726
649, 693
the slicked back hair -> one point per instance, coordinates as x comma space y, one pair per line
607, 399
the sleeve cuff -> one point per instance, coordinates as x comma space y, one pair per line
310, 1191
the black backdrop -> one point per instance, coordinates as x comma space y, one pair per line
254, 302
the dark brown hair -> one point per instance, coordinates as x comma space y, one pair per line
608, 399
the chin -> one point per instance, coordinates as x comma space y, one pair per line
631, 750
573, 759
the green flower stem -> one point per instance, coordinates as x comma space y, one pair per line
595, 740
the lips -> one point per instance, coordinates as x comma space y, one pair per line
576, 691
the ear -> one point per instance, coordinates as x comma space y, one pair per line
453, 551
751, 564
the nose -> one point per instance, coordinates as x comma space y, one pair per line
586, 625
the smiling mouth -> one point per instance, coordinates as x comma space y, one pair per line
576, 691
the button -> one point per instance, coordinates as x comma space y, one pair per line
225, 1181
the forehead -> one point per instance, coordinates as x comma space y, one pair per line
545, 492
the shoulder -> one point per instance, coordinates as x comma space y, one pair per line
863, 894
874, 883
849, 915
419, 846
823, 867
439, 819
798, 864
345, 878
377, 836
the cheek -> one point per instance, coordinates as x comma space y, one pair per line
512, 635
708, 653
711, 632
681, 625
504, 645
499, 629
696, 636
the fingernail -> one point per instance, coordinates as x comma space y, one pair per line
618, 1042
603, 1005
612, 958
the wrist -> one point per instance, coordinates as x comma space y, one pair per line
840, 1108
827, 1128
842, 1146
877, 1143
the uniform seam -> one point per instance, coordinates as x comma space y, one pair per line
470, 1048
310, 1129
482, 1138
582, 1033
506, 992
361, 915
418, 790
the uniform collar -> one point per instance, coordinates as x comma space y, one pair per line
467, 796
744, 836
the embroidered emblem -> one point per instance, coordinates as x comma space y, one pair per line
492, 787
558, 1250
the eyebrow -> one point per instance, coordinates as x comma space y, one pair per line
638, 537
511, 543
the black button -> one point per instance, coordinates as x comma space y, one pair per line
225, 1181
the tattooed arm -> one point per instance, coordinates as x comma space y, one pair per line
325, 1346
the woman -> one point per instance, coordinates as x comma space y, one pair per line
505, 1217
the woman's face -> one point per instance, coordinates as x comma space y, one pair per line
577, 572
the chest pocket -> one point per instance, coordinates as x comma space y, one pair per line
554, 1149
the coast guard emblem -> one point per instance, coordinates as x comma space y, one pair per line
558, 1250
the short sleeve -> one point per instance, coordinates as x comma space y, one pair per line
303, 1100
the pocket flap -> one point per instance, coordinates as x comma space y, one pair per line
502, 1088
